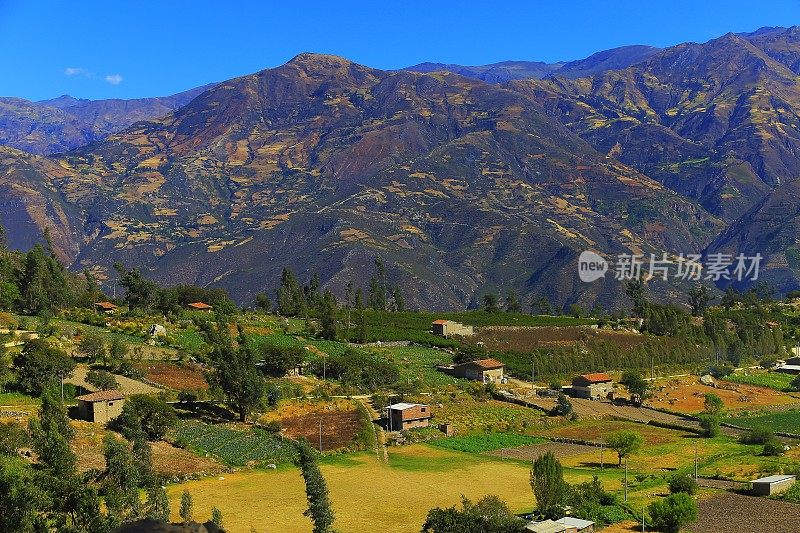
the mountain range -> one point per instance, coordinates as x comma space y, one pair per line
463, 179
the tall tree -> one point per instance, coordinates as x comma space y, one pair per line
327, 313
512, 304
549, 487
187, 506
490, 302
635, 384
625, 443
140, 292
541, 306
234, 370
634, 288
121, 481
698, 299
377, 287
319, 505
40, 365
291, 299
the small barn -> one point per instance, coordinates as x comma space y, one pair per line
592, 386
767, 486
106, 308
448, 328
199, 306
483, 370
100, 407
402, 416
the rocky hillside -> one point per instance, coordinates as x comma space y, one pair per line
321, 164
460, 185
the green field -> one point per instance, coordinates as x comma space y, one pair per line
784, 421
236, 447
771, 380
486, 442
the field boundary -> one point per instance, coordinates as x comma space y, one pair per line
778, 433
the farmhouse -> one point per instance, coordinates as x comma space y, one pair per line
402, 416
448, 328
100, 407
592, 386
199, 306
767, 486
483, 370
105, 307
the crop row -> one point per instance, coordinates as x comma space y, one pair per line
235, 447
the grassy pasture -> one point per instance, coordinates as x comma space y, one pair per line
785, 421
485, 442
366, 492
771, 380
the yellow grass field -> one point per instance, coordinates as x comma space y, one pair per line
367, 495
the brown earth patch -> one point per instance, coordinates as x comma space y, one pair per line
687, 395
727, 512
341, 421
187, 377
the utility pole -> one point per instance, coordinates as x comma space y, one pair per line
626, 479
695, 461
643, 519
601, 455
533, 377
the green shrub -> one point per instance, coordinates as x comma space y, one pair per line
682, 483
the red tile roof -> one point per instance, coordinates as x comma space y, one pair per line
597, 377
486, 364
105, 305
440, 321
199, 305
102, 396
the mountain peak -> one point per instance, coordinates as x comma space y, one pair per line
325, 60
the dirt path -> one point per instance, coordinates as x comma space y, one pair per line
380, 437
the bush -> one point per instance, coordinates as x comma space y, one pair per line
710, 425
682, 483
92, 346
563, 406
101, 379
673, 512
40, 365
154, 414
773, 447
273, 426
757, 435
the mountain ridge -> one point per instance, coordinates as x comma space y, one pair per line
460, 185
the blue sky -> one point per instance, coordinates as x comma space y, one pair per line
126, 49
